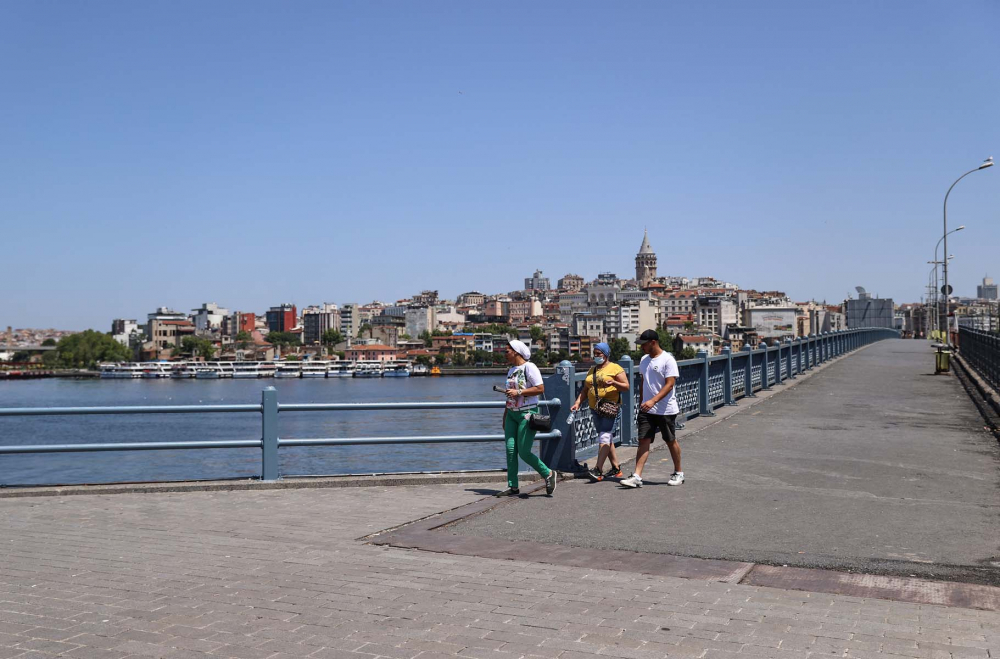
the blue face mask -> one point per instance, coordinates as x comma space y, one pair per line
598, 360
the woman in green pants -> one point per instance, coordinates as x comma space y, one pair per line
524, 386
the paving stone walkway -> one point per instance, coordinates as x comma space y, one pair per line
282, 575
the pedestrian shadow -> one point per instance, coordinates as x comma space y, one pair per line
488, 492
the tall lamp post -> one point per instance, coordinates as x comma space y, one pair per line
986, 163
937, 310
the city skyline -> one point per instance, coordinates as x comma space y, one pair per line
250, 154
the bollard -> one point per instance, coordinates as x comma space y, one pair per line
727, 380
704, 403
627, 419
560, 453
748, 374
269, 434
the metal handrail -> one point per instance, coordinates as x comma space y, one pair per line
129, 446
130, 409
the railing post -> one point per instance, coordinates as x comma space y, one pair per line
748, 374
269, 434
727, 384
764, 380
704, 403
560, 453
800, 356
777, 366
791, 358
823, 347
628, 427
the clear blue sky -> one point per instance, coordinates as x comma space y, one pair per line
253, 153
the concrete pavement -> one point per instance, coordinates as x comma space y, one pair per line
873, 465
281, 575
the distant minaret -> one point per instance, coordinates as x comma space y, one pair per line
645, 263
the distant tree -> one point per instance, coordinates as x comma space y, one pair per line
283, 339
425, 336
688, 324
559, 356
459, 359
537, 334
441, 359
574, 356
21, 356
48, 342
331, 337
192, 346
243, 339
340, 354
619, 347
292, 358
423, 359
440, 332
366, 327
87, 349
405, 337
539, 358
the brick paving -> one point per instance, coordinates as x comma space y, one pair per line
282, 575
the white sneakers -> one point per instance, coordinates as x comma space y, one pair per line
632, 481
676, 478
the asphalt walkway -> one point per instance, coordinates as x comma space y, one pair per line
873, 465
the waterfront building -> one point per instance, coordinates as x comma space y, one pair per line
317, 320
122, 330
471, 299
632, 318
715, 313
420, 319
282, 318
373, 352
987, 290
350, 320
209, 317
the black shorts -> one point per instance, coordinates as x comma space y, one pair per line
650, 424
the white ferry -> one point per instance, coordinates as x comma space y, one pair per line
368, 369
398, 369
288, 370
207, 371
314, 369
156, 370
341, 369
246, 370
266, 369
420, 369
122, 371
226, 369
185, 370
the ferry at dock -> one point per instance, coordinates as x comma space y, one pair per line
398, 369
368, 369
246, 370
340, 369
122, 371
156, 370
315, 369
288, 370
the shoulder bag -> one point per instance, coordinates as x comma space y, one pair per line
606, 408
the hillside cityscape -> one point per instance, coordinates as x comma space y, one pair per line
561, 321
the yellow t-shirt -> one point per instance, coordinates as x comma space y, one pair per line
607, 372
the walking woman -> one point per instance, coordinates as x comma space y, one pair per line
603, 387
524, 386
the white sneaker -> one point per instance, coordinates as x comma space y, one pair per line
632, 481
676, 478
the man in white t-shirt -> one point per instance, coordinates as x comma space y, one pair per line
658, 411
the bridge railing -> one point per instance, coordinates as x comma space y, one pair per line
705, 384
981, 350
270, 441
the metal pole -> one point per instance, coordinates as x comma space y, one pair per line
947, 303
269, 434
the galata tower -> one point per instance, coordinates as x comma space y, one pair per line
645, 263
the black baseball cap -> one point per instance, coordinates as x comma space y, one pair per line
648, 335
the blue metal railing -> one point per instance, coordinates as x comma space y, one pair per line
270, 442
705, 384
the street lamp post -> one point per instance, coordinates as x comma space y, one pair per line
937, 310
986, 163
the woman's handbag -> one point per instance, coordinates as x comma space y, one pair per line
540, 422
606, 408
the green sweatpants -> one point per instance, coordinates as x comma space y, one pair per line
519, 441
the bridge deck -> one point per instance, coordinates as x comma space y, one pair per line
874, 465
281, 574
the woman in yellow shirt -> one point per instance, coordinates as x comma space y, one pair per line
603, 387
